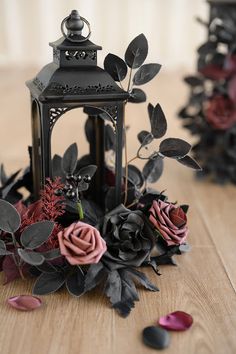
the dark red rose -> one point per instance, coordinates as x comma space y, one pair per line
220, 112
170, 221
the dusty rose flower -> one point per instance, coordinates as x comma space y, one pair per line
81, 243
220, 112
170, 221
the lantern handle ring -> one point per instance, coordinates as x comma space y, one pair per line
76, 40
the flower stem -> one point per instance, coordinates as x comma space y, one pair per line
134, 158
80, 210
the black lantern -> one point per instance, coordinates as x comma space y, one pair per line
74, 80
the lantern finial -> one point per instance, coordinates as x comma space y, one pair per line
74, 24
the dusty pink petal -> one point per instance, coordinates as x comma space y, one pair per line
80, 243
69, 230
24, 302
176, 321
64, 251
76, 250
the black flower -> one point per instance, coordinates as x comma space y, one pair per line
128, 236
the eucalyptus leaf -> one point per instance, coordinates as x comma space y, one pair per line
3, 250
153, 169
137, 96
189, 162
32, 258
48, 283
75, 282
46, 267
9, 217
158, 122
146, 73
36, 234
174, 147
52, 254
69, 160
136, 52
115, 66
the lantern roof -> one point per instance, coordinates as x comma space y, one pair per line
74, 75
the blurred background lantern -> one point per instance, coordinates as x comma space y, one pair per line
210, 113
74, 80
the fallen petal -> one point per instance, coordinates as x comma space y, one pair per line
176, 321
24, 302
156, 337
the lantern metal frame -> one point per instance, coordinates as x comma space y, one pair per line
74, 80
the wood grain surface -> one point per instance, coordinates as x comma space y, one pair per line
203, 284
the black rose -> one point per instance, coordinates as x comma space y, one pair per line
128, 236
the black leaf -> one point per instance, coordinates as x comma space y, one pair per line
136, 52
193, 81
150, 110
141, 277
32, 258
135, 176
48, 283
184, 208
189, 162
158, 122
36, 234
110, 199
153, 169
9, 217
69, 160
57, 166
75, 283
116, 67
137, 96
145, 137
206, 48
174, 147
94, 276
121, 291
87, 170
146, 73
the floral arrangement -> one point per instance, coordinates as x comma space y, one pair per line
65, 239
210, 112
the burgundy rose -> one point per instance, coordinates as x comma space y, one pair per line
170, 221
220, 112
81, 243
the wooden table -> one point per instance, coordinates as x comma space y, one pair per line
203, 284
